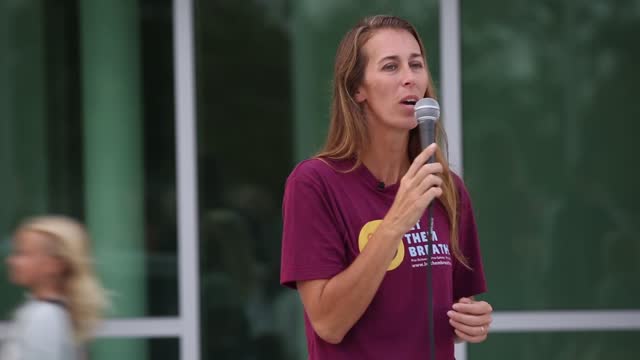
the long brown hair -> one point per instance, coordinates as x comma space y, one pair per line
348, 135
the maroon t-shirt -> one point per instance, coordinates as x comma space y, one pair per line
328, 218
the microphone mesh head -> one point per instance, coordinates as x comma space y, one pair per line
427, 109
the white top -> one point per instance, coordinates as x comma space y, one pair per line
41, 330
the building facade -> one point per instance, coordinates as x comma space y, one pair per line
169, 127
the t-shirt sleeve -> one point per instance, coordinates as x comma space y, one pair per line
312, 242
44, 332
467, 282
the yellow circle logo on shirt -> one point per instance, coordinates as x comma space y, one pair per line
367, 233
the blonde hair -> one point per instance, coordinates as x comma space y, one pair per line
348, 136
86, 299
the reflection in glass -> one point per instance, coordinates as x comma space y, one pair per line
91, 136
550, 116
558, 346
163, 348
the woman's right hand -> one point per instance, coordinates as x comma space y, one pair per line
418, 188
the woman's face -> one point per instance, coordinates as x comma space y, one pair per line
395, 78
30, 264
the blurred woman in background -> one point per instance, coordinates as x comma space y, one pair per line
51, 259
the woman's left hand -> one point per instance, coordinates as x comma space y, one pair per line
471, 319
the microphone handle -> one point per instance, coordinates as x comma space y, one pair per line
427, 137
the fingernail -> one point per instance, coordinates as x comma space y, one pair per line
455, 306
450, 313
